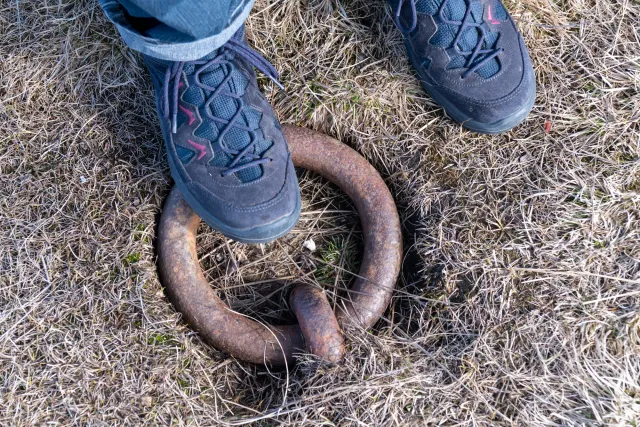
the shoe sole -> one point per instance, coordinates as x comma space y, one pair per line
262, 234
467, 122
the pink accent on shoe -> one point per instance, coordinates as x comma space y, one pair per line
199, 147
490, 18
188, 113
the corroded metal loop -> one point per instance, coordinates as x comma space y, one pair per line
319, 325
371, 293
189, 291
364, 303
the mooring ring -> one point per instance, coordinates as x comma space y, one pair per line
365, 302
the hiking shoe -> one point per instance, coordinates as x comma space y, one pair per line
470, 58
225, 147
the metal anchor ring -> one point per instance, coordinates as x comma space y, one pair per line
365, 302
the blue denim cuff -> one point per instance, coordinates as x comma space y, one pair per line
171, 50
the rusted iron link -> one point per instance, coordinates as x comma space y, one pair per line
371, 293
191, 294
364, 303
318, 323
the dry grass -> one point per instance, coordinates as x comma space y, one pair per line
519, 302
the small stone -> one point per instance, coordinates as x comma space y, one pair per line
310, 245
147, 401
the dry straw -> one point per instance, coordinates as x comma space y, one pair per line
519, 304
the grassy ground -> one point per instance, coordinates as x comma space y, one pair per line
519, 303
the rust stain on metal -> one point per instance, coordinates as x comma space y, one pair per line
365, 302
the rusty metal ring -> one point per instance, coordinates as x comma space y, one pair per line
364, 303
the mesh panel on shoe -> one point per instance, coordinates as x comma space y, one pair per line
490, 39
492, 67
189, 68
207, 131
456, 62
489, 69
237, 139
263, 146
213, 76
193, 95
500, 13
224, 107
238, 82
477, 10
250, 174
220, 158
252, 118
455, 10
184, 154
427, 6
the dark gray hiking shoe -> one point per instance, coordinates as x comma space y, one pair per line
225, 147
470, 58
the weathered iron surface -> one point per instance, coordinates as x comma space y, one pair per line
371, 293
364, 303
226, 330
318, 324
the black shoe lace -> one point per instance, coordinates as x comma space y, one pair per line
471, 55
241, 159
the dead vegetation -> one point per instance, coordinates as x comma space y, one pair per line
519, 303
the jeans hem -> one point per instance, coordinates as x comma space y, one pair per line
171, 51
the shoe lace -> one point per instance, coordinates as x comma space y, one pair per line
245, 157
472, 63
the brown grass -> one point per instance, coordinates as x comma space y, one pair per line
520, 299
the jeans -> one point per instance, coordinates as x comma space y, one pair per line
176, 30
